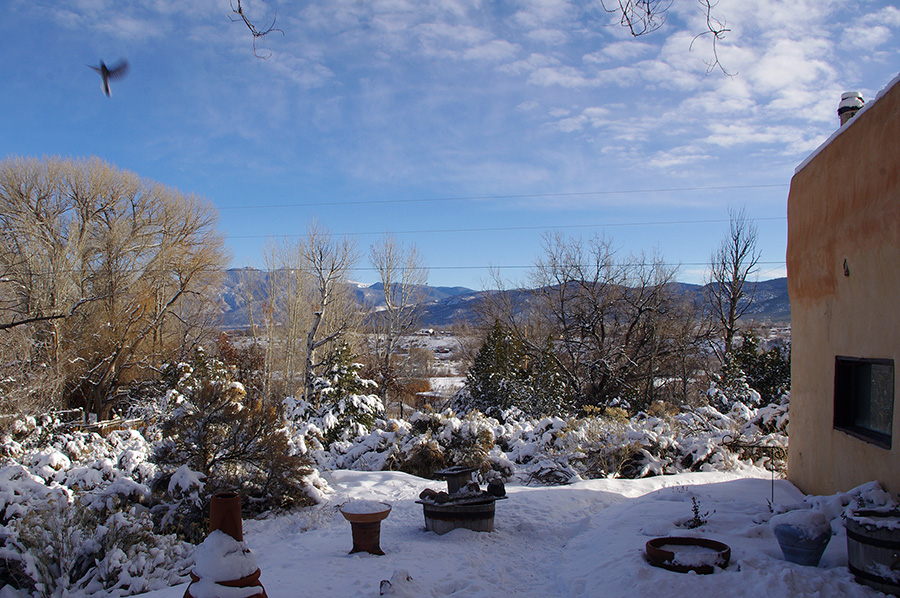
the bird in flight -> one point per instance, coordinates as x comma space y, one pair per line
106, 73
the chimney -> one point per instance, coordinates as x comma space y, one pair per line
851, 102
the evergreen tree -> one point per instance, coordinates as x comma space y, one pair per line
504, 375
348, 403
767, 371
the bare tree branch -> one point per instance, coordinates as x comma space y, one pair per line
642, 17
732, 265
717, 29
238, 9
35, 319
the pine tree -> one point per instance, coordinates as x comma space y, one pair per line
348, 403
504, 375
767, 371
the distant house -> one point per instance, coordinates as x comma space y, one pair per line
843, 260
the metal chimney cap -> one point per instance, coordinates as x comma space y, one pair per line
850, 100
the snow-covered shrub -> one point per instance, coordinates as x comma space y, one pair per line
439, 440
600, 445
343, 420
343, 404
421, 456
72, 548
74, 518
236, 441
768, 371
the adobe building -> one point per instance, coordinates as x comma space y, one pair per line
843, 261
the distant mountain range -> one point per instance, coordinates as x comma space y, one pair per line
443, 306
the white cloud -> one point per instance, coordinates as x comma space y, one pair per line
131, 28
563, 76
533, 62
686, 155
619, 51
450, 33
536, 14
872, 30
553, 37
493, 51
304, 72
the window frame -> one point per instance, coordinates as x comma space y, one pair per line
846, 401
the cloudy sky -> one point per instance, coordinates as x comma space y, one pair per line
466, 127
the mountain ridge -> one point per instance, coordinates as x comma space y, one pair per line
444, 306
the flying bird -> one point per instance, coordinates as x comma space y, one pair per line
106, 73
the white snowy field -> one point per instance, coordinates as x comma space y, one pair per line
581, 540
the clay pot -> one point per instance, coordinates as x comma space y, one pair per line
225, 516
244, 582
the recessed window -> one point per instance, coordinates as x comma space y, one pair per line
864, 398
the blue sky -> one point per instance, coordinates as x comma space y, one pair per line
466, 127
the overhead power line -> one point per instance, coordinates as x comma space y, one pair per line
357, 202
510, 228
156, 271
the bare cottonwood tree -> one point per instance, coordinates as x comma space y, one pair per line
403, 277
307, 309
111, 271
328, 262
732, 266
286, 317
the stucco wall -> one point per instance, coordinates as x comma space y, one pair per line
844, 205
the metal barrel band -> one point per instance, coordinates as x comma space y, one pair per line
869, 541
472, 516
872, 577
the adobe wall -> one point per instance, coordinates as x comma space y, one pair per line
844, 205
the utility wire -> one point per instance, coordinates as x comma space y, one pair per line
374, 269
358, 202
509, 228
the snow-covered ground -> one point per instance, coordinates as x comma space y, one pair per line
581, 540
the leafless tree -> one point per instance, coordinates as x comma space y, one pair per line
640, 17
732, 266
109, 271
606, 314
285, 317
305, 309
403, 277
615, 324
334, 313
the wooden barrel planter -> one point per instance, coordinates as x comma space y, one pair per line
873, 549
682, 555
442, 518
